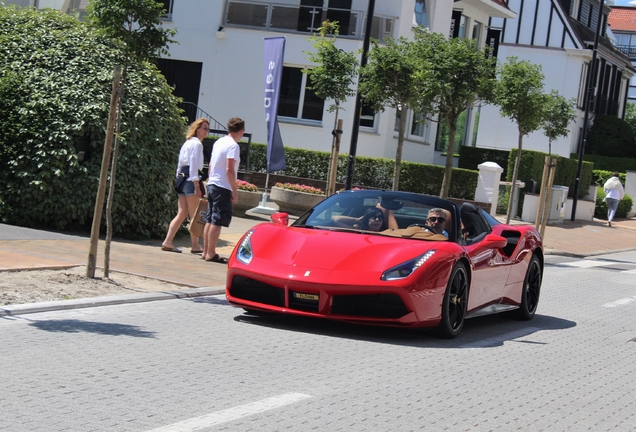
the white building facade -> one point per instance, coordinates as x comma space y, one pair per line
226, 39
217, 64
559, 35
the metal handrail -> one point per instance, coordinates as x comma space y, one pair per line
214, 124
288, 18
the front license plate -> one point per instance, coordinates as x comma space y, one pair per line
303, 296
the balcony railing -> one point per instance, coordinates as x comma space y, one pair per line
628, 50
303, 19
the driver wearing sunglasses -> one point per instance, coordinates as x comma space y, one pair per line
436, 219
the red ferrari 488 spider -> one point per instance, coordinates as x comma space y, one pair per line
388, 258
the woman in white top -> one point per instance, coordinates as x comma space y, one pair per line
190, 162
614, 192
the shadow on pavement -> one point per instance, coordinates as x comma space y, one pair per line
77, 326
481, 332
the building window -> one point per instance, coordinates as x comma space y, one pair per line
463, 22
477, 29
420, 17
368, 117
296, 100
417, 126
167, 6
582, 85
460, 134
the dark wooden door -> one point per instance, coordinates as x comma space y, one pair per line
185, 79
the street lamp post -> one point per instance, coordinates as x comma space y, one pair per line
590, 90
355, 127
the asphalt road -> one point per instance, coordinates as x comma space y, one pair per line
200, 364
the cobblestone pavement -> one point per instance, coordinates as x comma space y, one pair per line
201, 363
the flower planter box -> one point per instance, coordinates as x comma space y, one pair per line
294, 202
246, 201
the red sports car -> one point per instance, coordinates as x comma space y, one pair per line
388, 258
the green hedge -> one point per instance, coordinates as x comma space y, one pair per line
531, 168
471, 157
601, 176
611, 136
370, 172
620, 164
56, 78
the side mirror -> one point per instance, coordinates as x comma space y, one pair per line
494, 241
280, 218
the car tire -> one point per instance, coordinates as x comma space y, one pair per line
454, 303
529, 292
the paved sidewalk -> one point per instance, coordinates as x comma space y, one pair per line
26, 249
587, 238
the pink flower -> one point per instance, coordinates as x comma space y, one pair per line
300, 188
247, 186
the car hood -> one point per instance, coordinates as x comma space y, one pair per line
307, 248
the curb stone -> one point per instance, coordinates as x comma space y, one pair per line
28, 308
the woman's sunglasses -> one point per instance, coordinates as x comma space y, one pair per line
377, 217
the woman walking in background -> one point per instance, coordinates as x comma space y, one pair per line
614, 192
187, 183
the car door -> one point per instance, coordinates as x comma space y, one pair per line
490, 266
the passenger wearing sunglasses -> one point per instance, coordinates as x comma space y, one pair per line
436, 219
373, 219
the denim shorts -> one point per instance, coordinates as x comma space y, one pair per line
188, 188
219, 206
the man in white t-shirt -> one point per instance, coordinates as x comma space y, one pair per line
222, 191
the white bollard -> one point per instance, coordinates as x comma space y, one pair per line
488, 185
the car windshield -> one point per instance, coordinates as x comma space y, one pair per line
395, 214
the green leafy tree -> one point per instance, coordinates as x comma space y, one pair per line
333, 76
519, 95
453, 74
135, 23
55, 84
558, 113
388, 80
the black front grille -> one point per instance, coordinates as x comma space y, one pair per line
369, 305
253, 290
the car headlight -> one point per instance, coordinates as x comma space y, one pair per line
244, 252
405, 269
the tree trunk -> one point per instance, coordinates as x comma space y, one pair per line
450, 153
113, 172
398, 151
515, 173
103, 177
335, 149
333, 170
